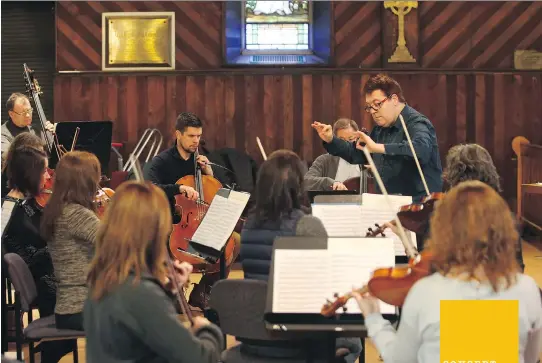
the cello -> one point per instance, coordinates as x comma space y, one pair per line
192, 213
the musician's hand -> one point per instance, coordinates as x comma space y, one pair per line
368, 304
339, 186
49, 126
324, 131
393, 226
199, 322
203, 161
182, 273
189, 192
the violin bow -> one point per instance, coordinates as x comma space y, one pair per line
411, 251
179, 290
261, 148
414, 154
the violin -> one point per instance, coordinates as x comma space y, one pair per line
102, 200
415, 217
391, 284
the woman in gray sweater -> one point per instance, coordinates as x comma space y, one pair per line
69, 225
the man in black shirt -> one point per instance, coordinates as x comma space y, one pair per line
166, 168
388, 143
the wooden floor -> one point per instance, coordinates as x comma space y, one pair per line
531, 254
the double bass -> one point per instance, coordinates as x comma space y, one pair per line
192, 213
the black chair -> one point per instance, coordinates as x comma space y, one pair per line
41, 329
240, 306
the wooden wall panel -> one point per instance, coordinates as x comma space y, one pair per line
358, 28
489, 109
478, 34
198, 31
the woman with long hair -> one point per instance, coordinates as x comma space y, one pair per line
69, 225
26, 171
130, 299
281, 209
26, 139
473, 239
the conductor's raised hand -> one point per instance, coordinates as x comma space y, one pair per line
324, 131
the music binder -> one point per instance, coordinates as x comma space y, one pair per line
307, 260
217, 225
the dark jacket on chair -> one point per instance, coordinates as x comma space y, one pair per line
139, 323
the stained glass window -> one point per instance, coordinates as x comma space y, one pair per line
277, 25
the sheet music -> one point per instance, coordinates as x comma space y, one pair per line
220, 220
7, 210
301, 280
379, 200
353, 220
304, 279
353, 265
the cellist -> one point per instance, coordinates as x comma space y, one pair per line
166, 168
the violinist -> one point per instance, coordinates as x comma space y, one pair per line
469, 162
26, 139
473, 238
26, 174
388, 143
166, 168
129, 314
20, 120
328, 172
69, 225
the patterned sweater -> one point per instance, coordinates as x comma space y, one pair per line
71, 250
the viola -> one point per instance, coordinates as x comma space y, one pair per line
391, 285
102, 200
192, 213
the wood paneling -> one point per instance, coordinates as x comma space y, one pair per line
478, 34
358, 39
198, 31
489, 109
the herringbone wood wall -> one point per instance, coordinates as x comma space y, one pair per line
486, 102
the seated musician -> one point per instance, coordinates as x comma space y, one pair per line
20, 120
328, 172
388, 143
281, 209
26, 174
166, 168
23, 139
130, 315
469, 162
69, 225
473, 239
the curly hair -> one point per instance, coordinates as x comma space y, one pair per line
473, 228
470, 162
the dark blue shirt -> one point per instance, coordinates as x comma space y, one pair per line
397, 166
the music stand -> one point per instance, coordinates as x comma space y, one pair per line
94, 137
314, 193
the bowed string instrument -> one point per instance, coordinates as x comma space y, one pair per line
392, 284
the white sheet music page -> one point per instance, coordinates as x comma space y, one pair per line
7, 210
220, 220
340, 219
379, 200
301, 280
353, 261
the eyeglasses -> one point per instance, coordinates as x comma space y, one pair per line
376, 105
25, 112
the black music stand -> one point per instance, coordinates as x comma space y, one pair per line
94, 137
342, 325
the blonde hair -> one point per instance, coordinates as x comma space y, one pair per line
473, 227
132, 238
